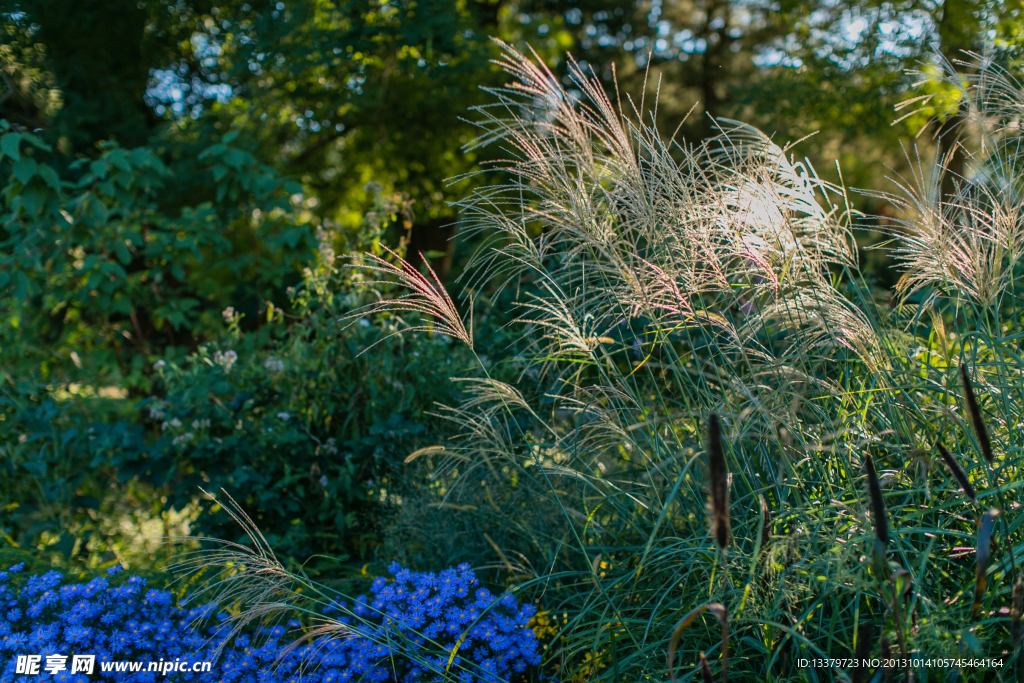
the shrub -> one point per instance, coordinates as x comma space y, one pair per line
295, 419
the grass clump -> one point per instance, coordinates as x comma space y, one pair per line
685, 303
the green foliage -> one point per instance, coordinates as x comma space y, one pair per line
95, 270
49, 455
294, 421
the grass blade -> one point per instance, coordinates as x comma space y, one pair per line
982, 557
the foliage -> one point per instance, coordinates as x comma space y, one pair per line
48, 459
296, 421
95, 269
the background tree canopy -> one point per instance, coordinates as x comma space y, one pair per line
175, 172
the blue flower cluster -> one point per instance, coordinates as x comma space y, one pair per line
422, 626
416, 627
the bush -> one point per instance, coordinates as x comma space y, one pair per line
294, 419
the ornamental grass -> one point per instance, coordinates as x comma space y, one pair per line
717, 416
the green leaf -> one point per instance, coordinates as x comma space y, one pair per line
122, 253
235, 158
219, 171
20, 285
24, 168
9, 145
49, 176
98, 169
33, 198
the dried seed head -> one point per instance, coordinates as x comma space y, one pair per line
705, 670
719, 475
864, 637
975, 411
878, 517
886, 658
958, 472
766, 525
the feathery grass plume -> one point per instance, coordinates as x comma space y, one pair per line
975, 411
719, 484
1016, 612
251, 578
426, 296
982, 557
968, 244
958, 473
878, 514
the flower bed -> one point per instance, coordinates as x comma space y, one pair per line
398, 634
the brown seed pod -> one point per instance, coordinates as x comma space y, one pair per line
957, 472
878, 517
705, 670
975, 411
719, 475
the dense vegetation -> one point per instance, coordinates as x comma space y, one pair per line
678, 404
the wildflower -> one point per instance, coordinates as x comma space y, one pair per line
183, 439
284, 417
159, 365
225, 359
273, 364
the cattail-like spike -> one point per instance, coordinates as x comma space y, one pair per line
877, 505
1015, 612
705, 670
766, 526
886, 658
864, 637
982, 557
719, 475
975, 411
958, 472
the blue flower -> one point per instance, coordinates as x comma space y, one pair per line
407, 631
